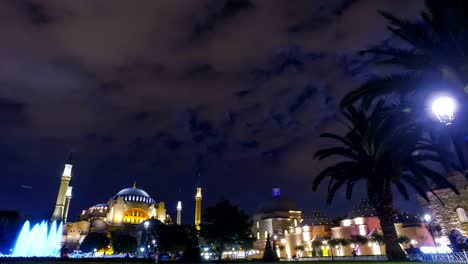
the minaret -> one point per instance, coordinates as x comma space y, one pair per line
179, 213
198, 198
67, 203
59, 211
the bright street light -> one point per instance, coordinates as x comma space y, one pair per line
444, 108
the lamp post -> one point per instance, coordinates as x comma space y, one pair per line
444, 108
428, 219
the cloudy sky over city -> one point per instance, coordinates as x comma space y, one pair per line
159, 91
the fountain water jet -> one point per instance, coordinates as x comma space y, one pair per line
40, 241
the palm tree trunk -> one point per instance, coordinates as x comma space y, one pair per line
385, 211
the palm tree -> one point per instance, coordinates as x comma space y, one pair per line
338, 244
382, 148
404, 241
316, 245
358, 241
379, 240
430, 58
432, 53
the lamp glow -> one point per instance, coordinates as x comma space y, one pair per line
444, 108
427, 217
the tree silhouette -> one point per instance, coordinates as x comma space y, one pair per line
269, 254
192, 252
94, 241
123, 243
226, 225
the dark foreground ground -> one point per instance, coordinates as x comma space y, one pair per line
142, 261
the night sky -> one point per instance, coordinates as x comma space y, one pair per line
155, 91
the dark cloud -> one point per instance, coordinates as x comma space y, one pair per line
219, 11
158, 91
11, 112
111, 86
142, 115
36, 13
198, 69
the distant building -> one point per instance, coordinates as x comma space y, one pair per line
310, 236
363, 221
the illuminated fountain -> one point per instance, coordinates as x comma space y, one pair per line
40, 241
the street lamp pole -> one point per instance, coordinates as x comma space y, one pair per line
147, 225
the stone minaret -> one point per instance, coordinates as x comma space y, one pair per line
67, 203
179, 212
60, 205
198, 198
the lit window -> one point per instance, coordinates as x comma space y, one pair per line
266, 234
462, 215
295, 222
258, 224
258, 235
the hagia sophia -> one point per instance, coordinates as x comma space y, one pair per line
125, 210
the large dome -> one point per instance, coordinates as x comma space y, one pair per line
134, 195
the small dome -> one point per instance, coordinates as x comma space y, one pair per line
134, 195
101, 206
98, 210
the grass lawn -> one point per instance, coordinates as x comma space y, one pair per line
114, 261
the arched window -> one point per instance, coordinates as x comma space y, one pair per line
462, 215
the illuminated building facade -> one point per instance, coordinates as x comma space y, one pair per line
293, 234
314, 227
362, 221
128, 206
